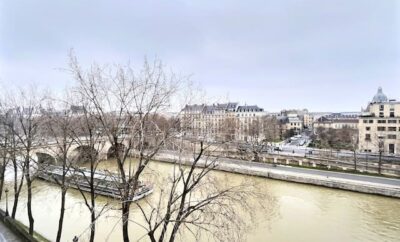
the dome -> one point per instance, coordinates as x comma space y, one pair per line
379, 96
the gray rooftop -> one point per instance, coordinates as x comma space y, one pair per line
379, 96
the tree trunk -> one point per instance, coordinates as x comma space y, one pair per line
17, 188
380, 163
151, 236
125, 220
92, 225
355, 160
62, 210
29, 203
2, 172
93, 201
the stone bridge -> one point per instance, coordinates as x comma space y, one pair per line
77, 152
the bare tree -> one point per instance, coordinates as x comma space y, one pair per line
4, 146
270, 129
228, 128
124, 104
87, 134
194, 200
28, 120
354, 140
12, 150
59, 126
255, 138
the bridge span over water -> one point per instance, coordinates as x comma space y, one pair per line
78, 151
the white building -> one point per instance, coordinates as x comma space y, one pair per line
379, 125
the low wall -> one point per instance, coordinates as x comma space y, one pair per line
318, 180
323, 163
16, 228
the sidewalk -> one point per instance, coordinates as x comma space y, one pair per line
345, 181
6, 234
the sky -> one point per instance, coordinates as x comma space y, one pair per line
320, 55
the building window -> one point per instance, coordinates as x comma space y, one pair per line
367, 136
391, 149
392, 121
391, 128
381, 121
368, 128
381, 128
391, 136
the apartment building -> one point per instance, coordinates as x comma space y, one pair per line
249, 119
221, 121
338, 120
379, 125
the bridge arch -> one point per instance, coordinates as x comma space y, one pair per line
113, 151
83, 154
45, 158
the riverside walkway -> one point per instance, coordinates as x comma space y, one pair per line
7, 235
346, 181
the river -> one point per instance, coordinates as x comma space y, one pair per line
293, 212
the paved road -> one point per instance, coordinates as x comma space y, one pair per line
305, 171
6, 235
316, 153
354, 177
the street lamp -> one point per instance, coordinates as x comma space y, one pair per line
6, 191
366, 159
381, 149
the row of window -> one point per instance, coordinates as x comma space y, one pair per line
245, 115
391, 114
389, 136
381, 128
381, 121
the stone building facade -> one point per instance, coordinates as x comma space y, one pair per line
379, 125
220, 122
338, 121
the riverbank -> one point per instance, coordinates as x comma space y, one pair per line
16, 231
344, 181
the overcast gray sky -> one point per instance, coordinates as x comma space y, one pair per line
321, 55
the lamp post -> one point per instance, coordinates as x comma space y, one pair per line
6, 191
381, 149
366, 159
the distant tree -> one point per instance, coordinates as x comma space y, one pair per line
345, 138
228, 128
289, 133
255, 138
270, 127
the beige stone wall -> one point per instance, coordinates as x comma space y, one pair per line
335, 125
375, 128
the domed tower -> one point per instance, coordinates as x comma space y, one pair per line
379, 97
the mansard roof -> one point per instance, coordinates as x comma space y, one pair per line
249, 108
